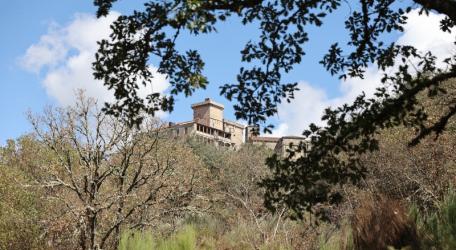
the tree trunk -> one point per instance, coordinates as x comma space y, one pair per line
92, 229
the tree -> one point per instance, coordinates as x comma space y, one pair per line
237, 218
333, 159
21, 207
108, 176
422, 174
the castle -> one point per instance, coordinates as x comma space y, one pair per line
210, 126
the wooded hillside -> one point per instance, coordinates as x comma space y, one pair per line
82, 180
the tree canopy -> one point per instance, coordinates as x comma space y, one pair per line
333, 159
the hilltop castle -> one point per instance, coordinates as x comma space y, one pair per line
209, 125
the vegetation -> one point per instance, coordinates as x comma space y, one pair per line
438, 228
182, 240
151, 33
381, 172
209, 197
159, 192
105, 174
21, 209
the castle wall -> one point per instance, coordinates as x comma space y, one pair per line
209, 125
236, 131
288, 142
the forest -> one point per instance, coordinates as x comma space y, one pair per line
85, 180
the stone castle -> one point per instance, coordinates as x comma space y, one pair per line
210, 126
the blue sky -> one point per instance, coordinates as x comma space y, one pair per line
28, 82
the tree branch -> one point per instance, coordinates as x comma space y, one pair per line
447, 7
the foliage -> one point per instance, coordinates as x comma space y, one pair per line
20, 207
106, 175
315, 177
136, 241
419, 174
184, 239
225, 207
333, 159
152, 32
380, 223
197, 236
438, 228
341, 239
237, 218
212, 157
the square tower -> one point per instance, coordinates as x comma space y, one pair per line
208, 113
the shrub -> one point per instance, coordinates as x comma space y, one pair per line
381, 223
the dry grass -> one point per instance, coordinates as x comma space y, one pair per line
381, 223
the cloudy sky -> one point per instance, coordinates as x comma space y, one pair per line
48, 46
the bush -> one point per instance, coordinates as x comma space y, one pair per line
420, 174
381, 223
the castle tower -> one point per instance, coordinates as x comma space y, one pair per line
209, 113
251, 132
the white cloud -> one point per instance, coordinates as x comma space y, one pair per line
310, 102
304, 109
48, 51
421, 32
65, 54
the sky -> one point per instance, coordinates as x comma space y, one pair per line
47, 47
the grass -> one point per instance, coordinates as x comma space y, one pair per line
435, 230
438, 229
185, 239
341, 239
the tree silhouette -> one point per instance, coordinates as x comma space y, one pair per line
308, 176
